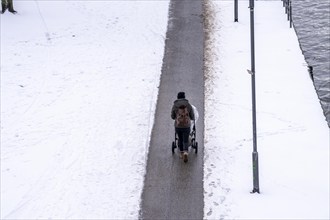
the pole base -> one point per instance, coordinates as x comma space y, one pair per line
255, 191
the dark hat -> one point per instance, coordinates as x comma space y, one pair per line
181, 95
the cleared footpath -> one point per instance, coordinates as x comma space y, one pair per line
173, 189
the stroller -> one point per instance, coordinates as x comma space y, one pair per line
192, 136
192, 140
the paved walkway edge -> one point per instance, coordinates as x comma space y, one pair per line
173, 189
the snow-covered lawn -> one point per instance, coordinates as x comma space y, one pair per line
293, 137
79, 83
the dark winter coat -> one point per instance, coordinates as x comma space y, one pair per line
175, 108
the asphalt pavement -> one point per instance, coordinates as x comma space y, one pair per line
174, 189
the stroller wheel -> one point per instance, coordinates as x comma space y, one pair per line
173, 147
196, 147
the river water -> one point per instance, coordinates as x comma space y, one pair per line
311, 19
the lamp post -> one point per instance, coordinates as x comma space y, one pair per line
255, 163
236, 10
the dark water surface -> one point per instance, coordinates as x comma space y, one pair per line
311, 20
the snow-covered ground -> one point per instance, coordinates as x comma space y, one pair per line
293, 137
78, 91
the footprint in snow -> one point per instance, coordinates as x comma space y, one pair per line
209, 212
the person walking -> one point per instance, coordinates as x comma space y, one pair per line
182, 112
7, 4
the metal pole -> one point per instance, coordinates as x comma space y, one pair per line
254, 115
285, 6
236, 11
290, 10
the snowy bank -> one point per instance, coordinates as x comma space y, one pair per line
293, 137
